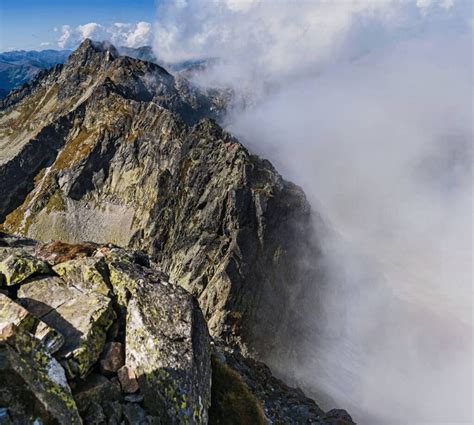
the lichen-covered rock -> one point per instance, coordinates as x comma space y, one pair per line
89, 274
33, 384
82, 317
168, 347
13, 313
16, 265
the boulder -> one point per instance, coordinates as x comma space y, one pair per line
128, 379
113, 358
13, 313
33, 384
89, 274
16, 265
95, 389
168, 347
82, 317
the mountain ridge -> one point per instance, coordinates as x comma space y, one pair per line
117, 150
18, 67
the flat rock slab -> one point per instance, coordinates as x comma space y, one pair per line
12, 313
89, 274
82, 317
168, 348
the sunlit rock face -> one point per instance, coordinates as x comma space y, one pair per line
113, 149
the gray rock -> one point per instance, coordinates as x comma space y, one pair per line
168, 348
33, 384
81, 317
16, 265
12, 313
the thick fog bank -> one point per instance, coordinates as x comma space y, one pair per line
368, 106
383, 148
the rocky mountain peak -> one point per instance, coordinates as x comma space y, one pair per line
89, 48
114, 150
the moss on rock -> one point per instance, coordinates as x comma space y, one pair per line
232, 402
17, 265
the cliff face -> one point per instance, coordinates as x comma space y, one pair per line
111, 149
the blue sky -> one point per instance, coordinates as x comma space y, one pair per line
25, 24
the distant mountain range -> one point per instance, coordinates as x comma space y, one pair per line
20, 66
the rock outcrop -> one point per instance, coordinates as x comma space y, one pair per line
82, 346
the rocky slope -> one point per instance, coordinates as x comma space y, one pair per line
111, 149
96, 334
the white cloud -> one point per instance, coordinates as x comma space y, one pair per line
281, 35
91, 30
120, 34
66, 38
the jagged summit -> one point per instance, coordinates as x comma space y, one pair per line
98, 46
93, 63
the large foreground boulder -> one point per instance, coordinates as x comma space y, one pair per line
33, 384
134, 348
168, 346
